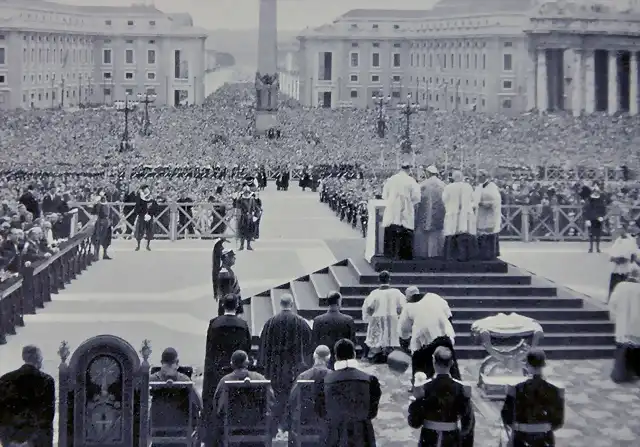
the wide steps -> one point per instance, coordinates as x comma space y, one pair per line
505, 303
573, 328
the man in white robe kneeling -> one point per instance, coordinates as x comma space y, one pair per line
428, 238
489, 217
460, 243
624, 307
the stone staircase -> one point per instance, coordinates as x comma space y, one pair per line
573, 328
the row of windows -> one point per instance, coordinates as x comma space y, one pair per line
129, 22
128, 76
69, 76
354, 60
67, 39
71, 93
445, 63
129, 56
57, 56
375, 45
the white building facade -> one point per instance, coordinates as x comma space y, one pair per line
55, 55
491, 56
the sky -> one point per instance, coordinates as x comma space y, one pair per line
293, 15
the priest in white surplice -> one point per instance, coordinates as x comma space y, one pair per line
427, 322
401, 194
624, 307
489, 217
460, 243
428, 239
381, 310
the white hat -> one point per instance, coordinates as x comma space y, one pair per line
432, 169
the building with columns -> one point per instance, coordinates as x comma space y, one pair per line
490, 55
54, 55
288, 69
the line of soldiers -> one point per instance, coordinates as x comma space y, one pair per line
346, 204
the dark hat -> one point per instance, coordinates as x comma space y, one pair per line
169, 356
536, 358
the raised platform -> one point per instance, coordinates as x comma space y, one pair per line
573, 327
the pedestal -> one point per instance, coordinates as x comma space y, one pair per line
265, 121
507, 339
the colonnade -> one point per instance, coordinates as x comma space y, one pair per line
587, 81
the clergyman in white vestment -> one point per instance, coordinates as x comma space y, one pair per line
460, 243
428, 238
489, 217
401, 194
624, 307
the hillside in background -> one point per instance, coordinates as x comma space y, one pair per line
242, 44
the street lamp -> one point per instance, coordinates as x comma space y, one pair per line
380, 101
407, 110
125, 107
146, 99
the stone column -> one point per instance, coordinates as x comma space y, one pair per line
267, 87
542, 94
589, 82
613, 83
633, 83
577, 90
531, 80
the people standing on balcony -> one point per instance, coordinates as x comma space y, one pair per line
460, 243
623, 253
401, 194
624, 307
489, 217
145, 211
428, 239
381, 310
595, 210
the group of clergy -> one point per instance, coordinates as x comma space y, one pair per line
433, 219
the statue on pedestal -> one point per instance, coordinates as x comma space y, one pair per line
267, 87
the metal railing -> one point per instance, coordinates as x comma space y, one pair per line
172, 221
24, 294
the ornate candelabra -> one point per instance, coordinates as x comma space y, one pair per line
407, 110
127, 106
381, 101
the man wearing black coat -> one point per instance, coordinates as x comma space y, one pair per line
332, 326
227, 333
27, 403
28, 199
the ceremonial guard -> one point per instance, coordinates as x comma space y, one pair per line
595, 211
248, 214
363, 212
145, 210
102, 232
533, 409
262, 178
224, 279
442, 408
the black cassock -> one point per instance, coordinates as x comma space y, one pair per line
102, 231
348, 400
227, 283
249, 213
285, 348
226, 334
144, 229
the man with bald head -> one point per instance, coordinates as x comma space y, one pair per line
460, 242
285, 344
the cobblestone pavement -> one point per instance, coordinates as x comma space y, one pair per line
599, 413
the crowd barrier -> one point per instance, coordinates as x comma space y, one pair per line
172, 221
24, 294
526, 223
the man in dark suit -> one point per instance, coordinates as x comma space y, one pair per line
351, 399
27, 403
440, 403
28, 199
227, 333
332, 326
534, 409
11, 252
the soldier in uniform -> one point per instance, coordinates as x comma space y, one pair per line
439, 404
595, 210
363, 212
533, 409
102, 232
225, 281
144, 211
248, 214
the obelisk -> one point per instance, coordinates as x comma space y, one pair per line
267, 82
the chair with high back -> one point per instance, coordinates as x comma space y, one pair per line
246, 417
307, 428
174, 415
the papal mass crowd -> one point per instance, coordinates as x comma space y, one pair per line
53, 160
